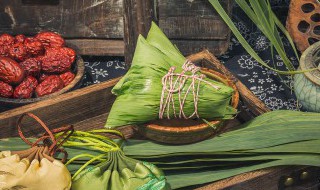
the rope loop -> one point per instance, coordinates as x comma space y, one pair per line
174, 83
47, 138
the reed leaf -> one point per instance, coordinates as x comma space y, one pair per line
259, 11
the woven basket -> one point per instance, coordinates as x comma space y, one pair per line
181, 131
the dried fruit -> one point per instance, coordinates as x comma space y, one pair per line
10, 71
50, 39
6, 41
34, 46
70, 53
58, 60
43, 76
19, 38
18, 52
50, 85
31, 66
6, 90
33, 80
26, 88
67, 77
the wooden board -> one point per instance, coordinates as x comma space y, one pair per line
192, 25
217, 47
70, 18
193, 19
98, 47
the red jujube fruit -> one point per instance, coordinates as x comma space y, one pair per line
50, 85
26, 88
10, 71
50, 39
6, 90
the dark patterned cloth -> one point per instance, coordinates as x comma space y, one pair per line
273, 90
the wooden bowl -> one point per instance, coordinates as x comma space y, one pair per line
181, 131
77, 68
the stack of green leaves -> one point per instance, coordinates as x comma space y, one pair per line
139, 91
277, 138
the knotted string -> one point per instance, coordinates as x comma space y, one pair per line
47, 138
173, 83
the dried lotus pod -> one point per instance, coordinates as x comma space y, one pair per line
303, 22
35, 168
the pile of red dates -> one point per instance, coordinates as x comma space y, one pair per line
34, 66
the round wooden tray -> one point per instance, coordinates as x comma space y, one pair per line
77, 68
181, 131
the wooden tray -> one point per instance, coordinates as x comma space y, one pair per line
88, 108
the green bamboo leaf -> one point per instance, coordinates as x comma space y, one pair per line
225, 17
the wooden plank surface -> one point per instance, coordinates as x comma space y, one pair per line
187, 47
192, 19
98, 47
138, 15
258, 180
70, 18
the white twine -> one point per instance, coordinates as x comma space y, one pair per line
170, 86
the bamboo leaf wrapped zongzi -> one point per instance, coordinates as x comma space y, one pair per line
161, 83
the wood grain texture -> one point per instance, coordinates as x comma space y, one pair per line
194, 19
98, 47
192, 25
70, 18
138, 15
187, 47
266, 179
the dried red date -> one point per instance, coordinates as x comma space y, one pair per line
67, 77
43, 76
50, 85
18, 52
31, 66
6, 90
70, 53
26, 88
34, 46
50, 39
19, 38
10, 71
6, 41
58, 60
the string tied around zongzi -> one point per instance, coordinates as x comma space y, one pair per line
174, 83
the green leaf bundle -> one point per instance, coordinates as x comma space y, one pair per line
140, 90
